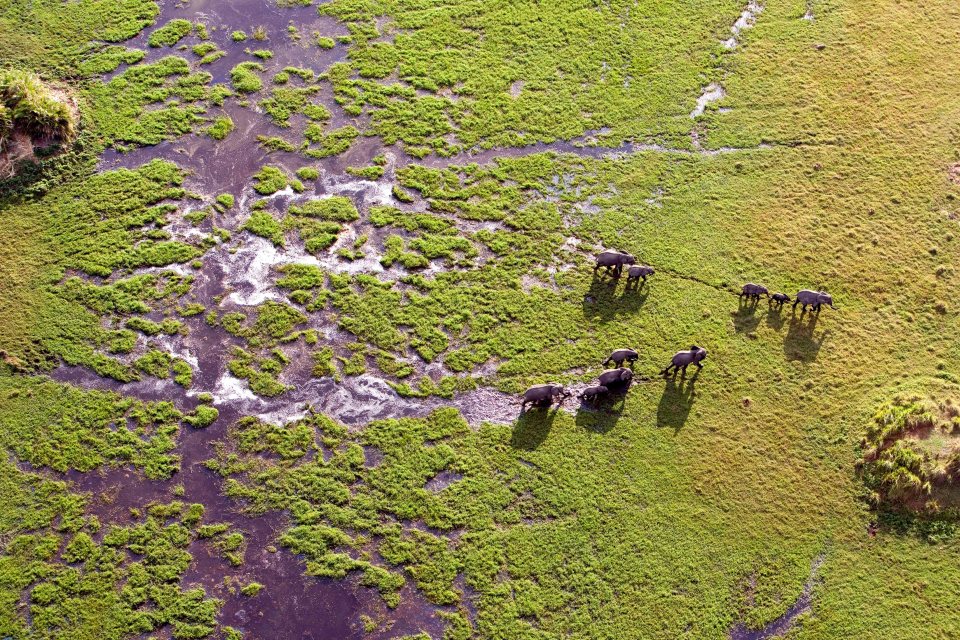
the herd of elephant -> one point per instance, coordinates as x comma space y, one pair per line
619, 378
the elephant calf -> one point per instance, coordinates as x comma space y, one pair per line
683, 359
620, 356
542, 395
637, 272
613, 261
754, 291
615, 378
592, 394
814, 299
779, 299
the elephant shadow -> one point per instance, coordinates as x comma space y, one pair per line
532, 427
745, 320
602, 416
775, 318
635, 286
802, 342
676, 402
602, 300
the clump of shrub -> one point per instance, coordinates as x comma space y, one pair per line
332, 209
30, 114
244, 77
269, 180
911, 453
266, 226
202, 416
221, 127
170, 33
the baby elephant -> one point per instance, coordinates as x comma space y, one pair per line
638, 272
684, 359
613, 261
778, 299
620, 356
592, 394
814, 299
615, 378
542, 395
754, 291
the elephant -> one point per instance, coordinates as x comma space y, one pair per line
613, 260
620, 355
592, 394
814, 299
615, 377
542, 395
779, 299
638, 272
683, 359
754, 291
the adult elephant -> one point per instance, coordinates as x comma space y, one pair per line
814, 299
613, 261
541, 395
683, 359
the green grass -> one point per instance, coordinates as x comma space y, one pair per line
221, 128
472, 56
681, 511
284, 102
170, 33
244, 77
59, 427
52, 37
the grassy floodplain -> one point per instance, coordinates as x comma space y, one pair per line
693, 508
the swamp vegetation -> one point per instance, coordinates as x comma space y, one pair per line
273, 275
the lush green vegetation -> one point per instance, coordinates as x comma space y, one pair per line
30, 114
682, 510
495, 83
70, 573
910, 457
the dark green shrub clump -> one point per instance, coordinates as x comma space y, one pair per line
911, 455
30, 113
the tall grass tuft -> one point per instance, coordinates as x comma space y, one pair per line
30, 106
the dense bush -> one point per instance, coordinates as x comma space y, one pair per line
29, 108
909, 451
